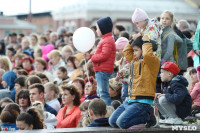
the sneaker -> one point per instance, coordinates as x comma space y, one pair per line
162, 121
153, 113
176, 121
197, 115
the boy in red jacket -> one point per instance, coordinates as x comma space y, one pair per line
104, 57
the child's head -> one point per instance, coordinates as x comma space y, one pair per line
117, 29
168, 71
140, 18
104, 26
97, 108
51, 91
193, 75
25, 43
166, 18
62, 72
20, 83
43, 77
114, 87
137, 47
37, 53
120, 44
198, 72
84, 108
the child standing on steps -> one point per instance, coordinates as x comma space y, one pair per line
104, 57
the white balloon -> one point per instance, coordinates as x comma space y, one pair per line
83, 39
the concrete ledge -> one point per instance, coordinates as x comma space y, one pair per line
107, 130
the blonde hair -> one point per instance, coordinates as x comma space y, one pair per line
67, 47
54, 53
5, 61
170, 14
52, 87
39, 106
110, 110
26, 39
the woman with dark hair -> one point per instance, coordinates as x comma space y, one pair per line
80, 84
90, 88
29, 120
23, 100
70, 114
8, 117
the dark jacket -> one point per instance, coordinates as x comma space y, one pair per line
101, 122
176, 92
50, 109
10, 77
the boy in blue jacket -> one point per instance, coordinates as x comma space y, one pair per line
175, 103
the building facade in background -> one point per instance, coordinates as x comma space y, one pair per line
86, 12
12, 24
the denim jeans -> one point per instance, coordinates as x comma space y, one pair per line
129, 114
124, 91
103, 86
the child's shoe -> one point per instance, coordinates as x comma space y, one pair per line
175, 121
162, 121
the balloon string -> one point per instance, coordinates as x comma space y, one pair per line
86, 70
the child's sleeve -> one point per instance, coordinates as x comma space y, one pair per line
128, 53
195, 91
177, 95
124, 73
105, 53
149, 58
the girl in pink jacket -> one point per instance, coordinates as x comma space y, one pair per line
195, 93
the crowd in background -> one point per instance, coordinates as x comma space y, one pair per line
44, 82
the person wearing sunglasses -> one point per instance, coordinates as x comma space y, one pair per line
23, 100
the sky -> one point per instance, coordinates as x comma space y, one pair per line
14, 7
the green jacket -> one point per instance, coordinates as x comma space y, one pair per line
196, 37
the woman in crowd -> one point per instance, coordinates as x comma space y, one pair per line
5, 63
90, 88
41, 66
72, 70
69, 115
8, 117
55, 61
49, 119
34, 42
67, 51
80, 84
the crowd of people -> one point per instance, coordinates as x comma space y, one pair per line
45, 83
